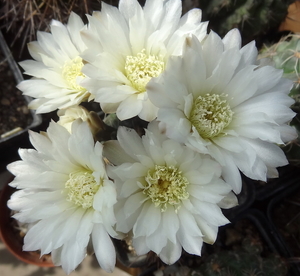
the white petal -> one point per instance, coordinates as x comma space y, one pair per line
190, 244
104, 249
56, 256
188, 223
115, 154
191, 17
157, 241
81, 145
133, 203
61, 36
200, 178
229, 201
209, 231
194, 67
148, 112
129, 108
140, 245
106, 196
153, 219
72, 255
130, 170
230, 172
232, 39
170, 253
141, 227
129, 187
129, 8
207, 196
271, 154
170, 223
74, 26
210, 212
249, 54
130, 142
42, 230
213, 41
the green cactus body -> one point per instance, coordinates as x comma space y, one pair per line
286, 56
252, 17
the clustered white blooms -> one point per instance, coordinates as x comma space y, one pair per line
212, 112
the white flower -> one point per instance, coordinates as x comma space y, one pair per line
168, 195
130, 45
56, 69
66, 196
70, 115
216, 100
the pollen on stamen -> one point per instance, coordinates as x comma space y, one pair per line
81, 188
141, 68
166, 186
71, 71
210, 115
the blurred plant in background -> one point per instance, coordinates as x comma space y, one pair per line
253, 18
286, 56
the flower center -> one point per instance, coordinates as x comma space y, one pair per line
141, 68
166, 185
82, 187
71, 71
210, 115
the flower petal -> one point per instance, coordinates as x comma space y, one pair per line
104, 249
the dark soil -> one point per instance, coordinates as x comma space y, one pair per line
14, 114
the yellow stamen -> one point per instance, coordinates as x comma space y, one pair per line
71, 71
210, 115
82, 188
166, 186
140, 69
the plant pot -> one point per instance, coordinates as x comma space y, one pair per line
11, 236
16, 119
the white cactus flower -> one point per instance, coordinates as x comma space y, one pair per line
65, 196
216, 100
126, 47
169, 196
56, 68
